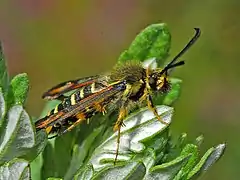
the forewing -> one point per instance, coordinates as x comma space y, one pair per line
58, 90
102, 96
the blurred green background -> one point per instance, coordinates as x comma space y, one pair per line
54, 41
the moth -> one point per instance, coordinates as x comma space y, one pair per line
126, 85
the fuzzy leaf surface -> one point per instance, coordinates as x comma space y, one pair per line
153, 42
4, 78
139, 127
2, 107
19, 87
17, 136
208, 159
17, 169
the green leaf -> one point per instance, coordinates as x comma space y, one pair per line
59, 147
153, 42
174, 93
62, 164
149, 159
208, 159
4, 78
168, 170
18, 136
80, 152
36, 166
40, 143
130, 170
182, 141
15, 169
199, 140
85, 174
187, 150
48, 169
20, 86
2, 108
140, 127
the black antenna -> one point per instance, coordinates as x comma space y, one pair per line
189, 44
180, 63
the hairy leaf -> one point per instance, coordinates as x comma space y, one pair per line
19, 86
153, 42
16, 169
85, 174
2, 108
4, 79
208, 159
168, 170
139, 127
129, 170
18, 135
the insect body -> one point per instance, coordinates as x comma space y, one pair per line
125, 86
79, 106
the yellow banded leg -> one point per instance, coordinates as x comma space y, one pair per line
153, 109
80, 118
100, 108
48, 129
117, 127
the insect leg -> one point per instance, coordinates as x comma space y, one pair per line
48, 129
80, 118
117, 127
153, 109
100, 108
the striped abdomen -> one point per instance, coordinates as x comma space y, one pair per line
77, 108
77, 96
68, 102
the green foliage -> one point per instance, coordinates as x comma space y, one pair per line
153, 42
4, 79
20, 85
146, 149
15, 169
